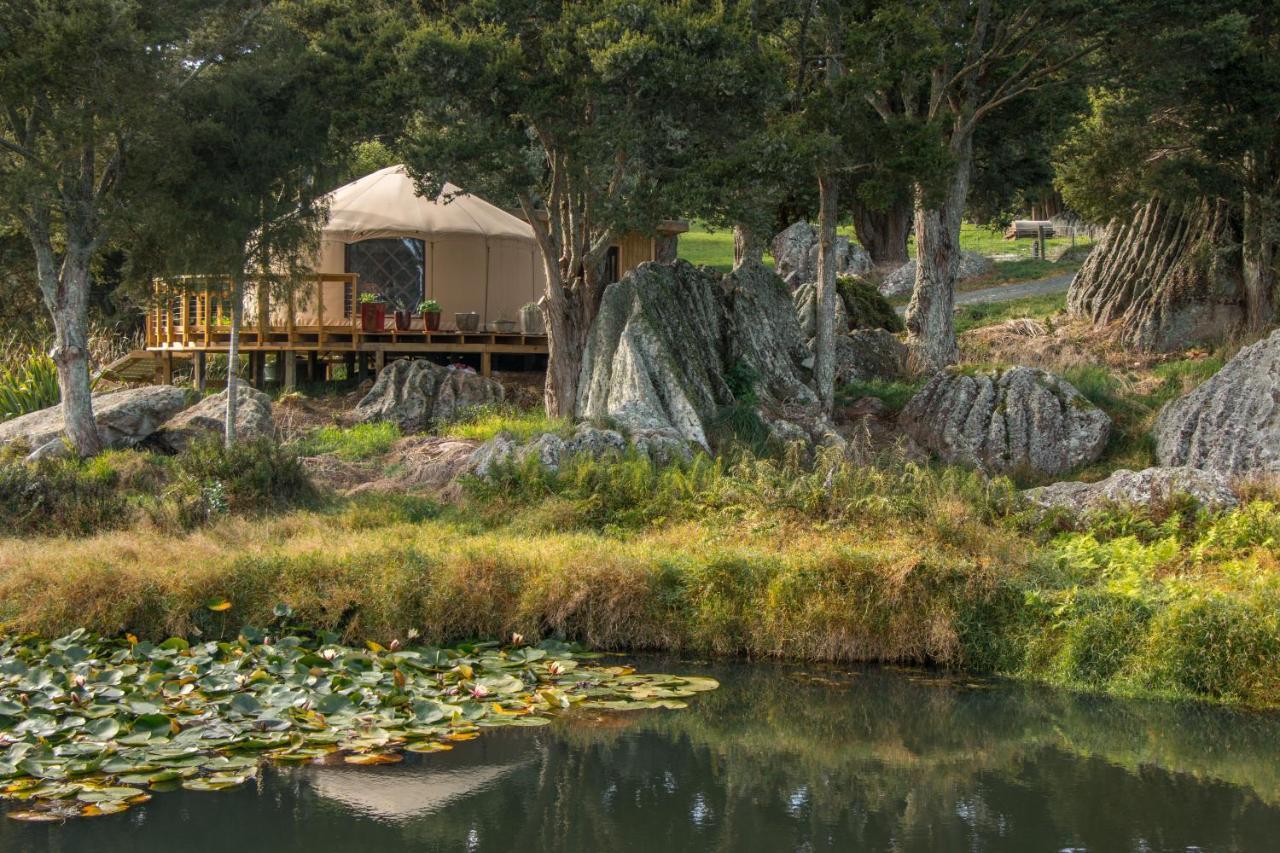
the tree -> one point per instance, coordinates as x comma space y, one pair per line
946, 67
236, 185
591, 116
1188, 121
81, 81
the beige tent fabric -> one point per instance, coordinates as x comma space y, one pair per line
478, 257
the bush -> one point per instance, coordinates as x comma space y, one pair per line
60, 497
28, 386
484, 422
249, 477
893, 393
867, 308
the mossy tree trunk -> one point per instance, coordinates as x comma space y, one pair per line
748, 244
1164, 278
824, 345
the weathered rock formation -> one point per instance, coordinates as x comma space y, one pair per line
124, 418
866, 354
669, 338
552, 450
1147, 488
901, 281
209, 417
805, 298
795, 255
1231, 422
1017, 420
416, 393
1166, 278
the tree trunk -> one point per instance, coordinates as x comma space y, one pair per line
1165, 278
824, 344
931, 331
748, 245
66, 295
883, 233
1258, 242
233, 361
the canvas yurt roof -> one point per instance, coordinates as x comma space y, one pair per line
386, 204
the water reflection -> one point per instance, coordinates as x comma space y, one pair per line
776, 760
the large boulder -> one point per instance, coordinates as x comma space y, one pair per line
795, 255
673, 346
902, 281
414, 394
867, 354
124, 418
550, 449
1007, 421
1148, 488
1231, 422
209, 417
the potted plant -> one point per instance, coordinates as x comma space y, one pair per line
531, 320
504, 326
373, 312
430, 310
404, 320
467, 321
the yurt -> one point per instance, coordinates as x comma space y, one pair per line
457, 249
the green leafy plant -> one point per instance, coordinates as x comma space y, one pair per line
429, 306
371, 299
28, 386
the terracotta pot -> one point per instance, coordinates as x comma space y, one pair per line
431, 321
404, 321
468, 321
373, 316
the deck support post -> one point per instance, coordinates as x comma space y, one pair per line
166, 369
258, 368
379, 362
198, 372
290, 370
486, 363
313, 366
349, 362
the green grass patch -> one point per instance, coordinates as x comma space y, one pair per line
486, 422
976, 315
362, 441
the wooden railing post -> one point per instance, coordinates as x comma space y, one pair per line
208, 319
320, 309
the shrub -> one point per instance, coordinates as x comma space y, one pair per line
248, 477
893, 393
484, 422
867, 308
28, 386
60, 497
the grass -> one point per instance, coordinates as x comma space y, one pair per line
976, 315
764, 557
28, 383
362, 441
893, 393
486, 422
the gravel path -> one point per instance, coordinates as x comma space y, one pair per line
1007, 292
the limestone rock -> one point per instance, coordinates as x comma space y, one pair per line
208, 417
668, 338
1147, 488
867, 354
1007, 421
1231, 422
416, 393
795, 255
806, 301
902, 281
124, 418
551, 450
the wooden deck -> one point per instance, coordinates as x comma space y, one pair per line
190, 321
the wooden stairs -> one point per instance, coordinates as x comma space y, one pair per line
136, 366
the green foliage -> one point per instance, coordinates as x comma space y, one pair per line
361, 441
60, 497
867, 308
248, 477
29, 385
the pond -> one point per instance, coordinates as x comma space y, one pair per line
780, 758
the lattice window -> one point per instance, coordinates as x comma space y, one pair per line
393, 268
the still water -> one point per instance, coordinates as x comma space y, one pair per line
780, 758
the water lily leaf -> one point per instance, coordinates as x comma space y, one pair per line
369, 758
34, 816
174, 644
102, 729
218, 605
